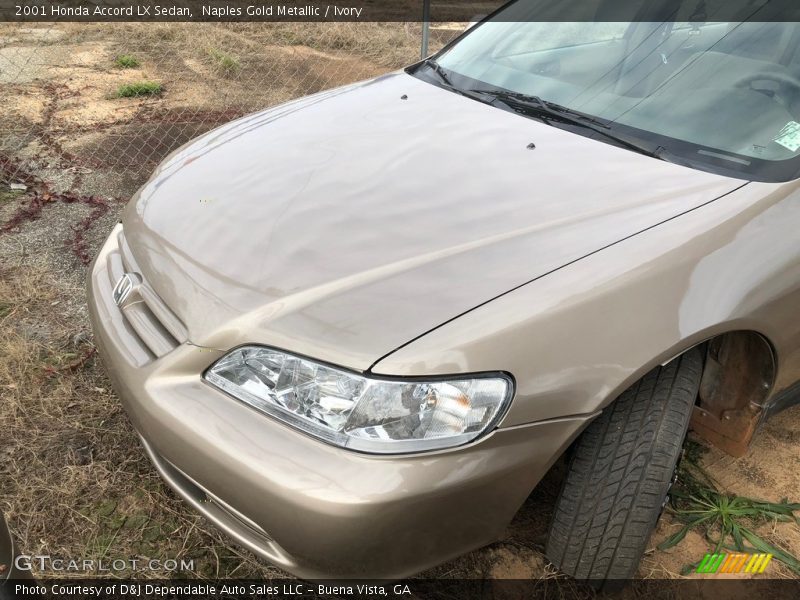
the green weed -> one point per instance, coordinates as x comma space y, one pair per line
126, 61
142, 88
727, 520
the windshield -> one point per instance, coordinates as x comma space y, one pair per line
718, 96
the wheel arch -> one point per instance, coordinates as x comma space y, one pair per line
739, 372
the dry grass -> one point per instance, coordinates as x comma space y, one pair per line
73, 479
390, 45
225, 63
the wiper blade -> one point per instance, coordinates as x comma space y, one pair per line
440, 72
542, 109
526, 101
479, 95
550, 111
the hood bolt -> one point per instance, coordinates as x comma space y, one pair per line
531, 146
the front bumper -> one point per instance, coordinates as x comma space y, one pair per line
313, 509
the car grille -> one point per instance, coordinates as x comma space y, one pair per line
153, 325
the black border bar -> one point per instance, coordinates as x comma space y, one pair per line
396, 10
411, 589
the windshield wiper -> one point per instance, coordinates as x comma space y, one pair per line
526, 102
444, 78
542, 109
552, 112
440, 72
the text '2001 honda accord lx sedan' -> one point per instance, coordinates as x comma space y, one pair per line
355, 330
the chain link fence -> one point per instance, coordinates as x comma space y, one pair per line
104, 103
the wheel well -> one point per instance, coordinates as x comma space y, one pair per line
738, 373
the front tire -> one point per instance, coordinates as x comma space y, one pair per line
620, 473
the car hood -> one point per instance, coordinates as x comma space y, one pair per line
346, 224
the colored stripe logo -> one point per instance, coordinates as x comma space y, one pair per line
734, 563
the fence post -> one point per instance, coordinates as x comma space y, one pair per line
426, 27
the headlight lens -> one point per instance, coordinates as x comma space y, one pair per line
362, 413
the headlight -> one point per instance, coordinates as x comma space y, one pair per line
362, 413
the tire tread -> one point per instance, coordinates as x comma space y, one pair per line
620, 472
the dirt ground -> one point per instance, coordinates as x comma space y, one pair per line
73, 479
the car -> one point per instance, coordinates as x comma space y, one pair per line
355, 330
10, 571
6, 554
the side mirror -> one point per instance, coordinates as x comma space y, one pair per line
474, 21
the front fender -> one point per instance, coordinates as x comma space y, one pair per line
578, 337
